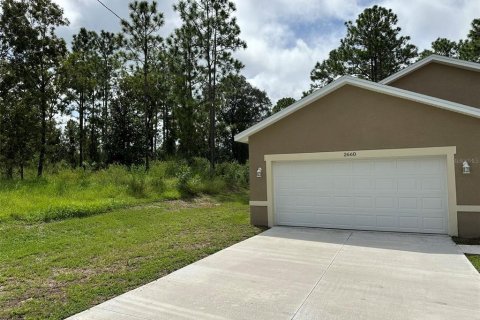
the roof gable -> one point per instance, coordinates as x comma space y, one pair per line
434, 58
364, 84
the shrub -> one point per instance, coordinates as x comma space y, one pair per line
115, 174
172, 167
136, 183
214, 186
234, 174
188, 184
201, 166
156, 176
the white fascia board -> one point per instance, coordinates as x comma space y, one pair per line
365, 84
432, 58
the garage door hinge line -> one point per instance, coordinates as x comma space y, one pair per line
323, 274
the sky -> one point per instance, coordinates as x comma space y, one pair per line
286, 38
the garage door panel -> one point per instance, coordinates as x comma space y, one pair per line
407, 166
343, 202
304, 219
323, 201
405, 194
342, 168
433, 184
408, 203
385, 184
342, 183
384, 167
361, 167
432, 203
385, 203
412, 222
406, 184
365, 221
331, 220
387, 222
364, 202
433, 223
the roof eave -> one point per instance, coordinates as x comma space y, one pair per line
432, 58
243, 136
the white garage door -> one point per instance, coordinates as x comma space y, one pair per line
404, 194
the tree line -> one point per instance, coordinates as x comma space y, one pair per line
133, 97
130, 97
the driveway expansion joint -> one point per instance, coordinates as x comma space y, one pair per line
323, 274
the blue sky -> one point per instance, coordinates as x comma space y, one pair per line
285, 38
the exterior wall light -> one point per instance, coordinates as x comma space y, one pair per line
259, 172
466, 167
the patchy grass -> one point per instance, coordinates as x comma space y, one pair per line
69, 193
475, 260
56, 269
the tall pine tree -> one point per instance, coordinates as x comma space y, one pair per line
217, 36
143, 42
373, 49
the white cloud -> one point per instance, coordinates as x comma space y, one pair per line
285, 38
426, 20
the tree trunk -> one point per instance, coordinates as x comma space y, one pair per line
82, 133
43, 133
146, 106
93, 147
9, 172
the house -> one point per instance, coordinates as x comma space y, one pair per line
399, 155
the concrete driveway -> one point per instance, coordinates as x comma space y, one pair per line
302, 273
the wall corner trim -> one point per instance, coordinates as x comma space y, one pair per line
468, 208
258, 203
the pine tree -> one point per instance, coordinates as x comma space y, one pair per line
109, 50
143, 42
242, 105
29, 31
79, 74
183, 59
283, 103
217, 36
470, 48
373, 49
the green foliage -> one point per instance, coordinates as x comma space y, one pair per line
27, 30
234, 174
468, 49
137, 182
78, 192
142, 38
283, 103
373, 49
216, 34
242, 106
188, 182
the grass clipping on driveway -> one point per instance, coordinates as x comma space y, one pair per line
56, 269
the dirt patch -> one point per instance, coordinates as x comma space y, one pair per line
174, 205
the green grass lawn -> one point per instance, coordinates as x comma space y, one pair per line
475, 260
50, 270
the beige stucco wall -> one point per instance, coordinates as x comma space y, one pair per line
357, 119
469, 224
443, 81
